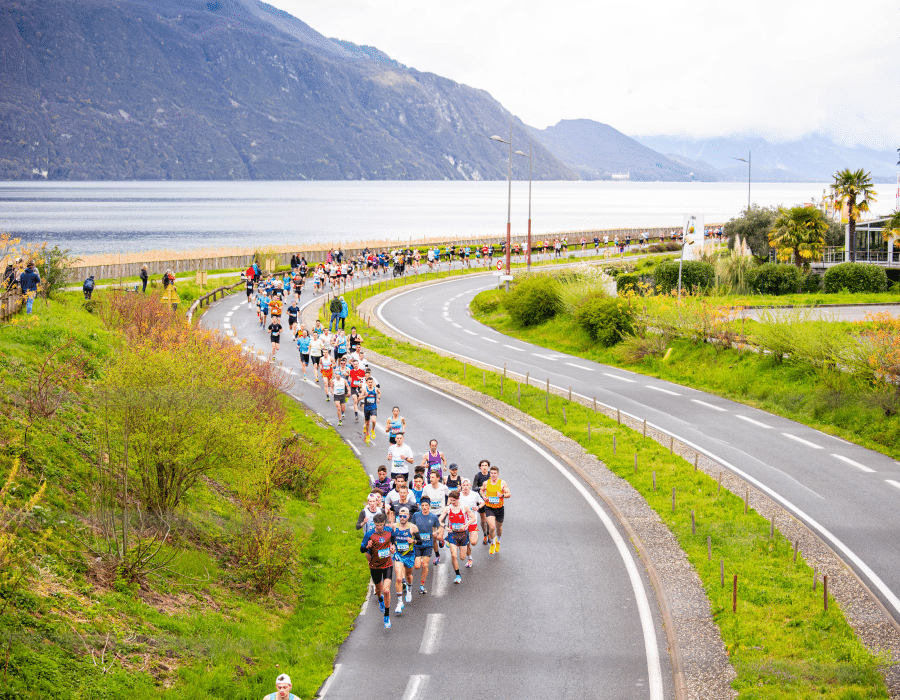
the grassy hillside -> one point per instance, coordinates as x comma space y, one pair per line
75, 625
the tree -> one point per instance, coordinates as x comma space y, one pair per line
891, 230
853, 188
799, 232
753, 227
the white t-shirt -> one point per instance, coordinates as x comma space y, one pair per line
398, 456
315, 347
437, 496
473, 500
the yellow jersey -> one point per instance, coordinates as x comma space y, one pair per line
494, 493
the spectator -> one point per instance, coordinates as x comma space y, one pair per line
145, 277
345, 311
167, 277
9, 276
88, 287
29, 281
335, 307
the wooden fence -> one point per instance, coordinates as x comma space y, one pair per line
210, 297
10, 303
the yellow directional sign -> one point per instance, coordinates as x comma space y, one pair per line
170, 295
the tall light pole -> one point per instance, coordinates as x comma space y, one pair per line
747, 160
528, 249
509, 198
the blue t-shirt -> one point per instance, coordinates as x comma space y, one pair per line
303, 344
427, 524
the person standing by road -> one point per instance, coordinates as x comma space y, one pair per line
494, 492
88, 287
378, 546
345, 311
145, 277
28, 283
335, 308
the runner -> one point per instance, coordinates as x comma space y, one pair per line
382, 484
354, 340
400, 456
434, 460
275, 334
370, 409
480, 479
418, 485
472, 502
405, 557
282, 689
456, 521
293, 310
357, 377
339, 390
327, 365
494, 492
263, 302
378, 546
396, 424
315, 354
249, 283
340, 345
453, 480
436, 495
400, 497
367, 515
303, 343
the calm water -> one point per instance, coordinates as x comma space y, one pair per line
102, 217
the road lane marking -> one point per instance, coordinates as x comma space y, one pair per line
513, 347
235, 308
586, 369
802, 441
665, 391
893, 483
621, 378
469, 332
455, 323
854, 463
433, 624
709, 405
355, 448
544, 357
490, 340
755, 422
226, 325
438, 581
414, 687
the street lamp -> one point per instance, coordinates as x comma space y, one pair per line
528, 249
509, 198
681, 260
749, 166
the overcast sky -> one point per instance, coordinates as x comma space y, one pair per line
776, 68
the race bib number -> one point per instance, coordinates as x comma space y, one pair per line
426, 537
437, 504
494, 500
384, 553
458, 526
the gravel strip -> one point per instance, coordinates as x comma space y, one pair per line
707, 670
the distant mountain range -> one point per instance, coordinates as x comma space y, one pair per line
237, 89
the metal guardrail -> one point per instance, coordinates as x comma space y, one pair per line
211, 296
833, 256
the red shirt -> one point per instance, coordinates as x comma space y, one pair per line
379, 548
356, 377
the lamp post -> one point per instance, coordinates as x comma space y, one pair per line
528, 249
684, 244
747, 160
509, 197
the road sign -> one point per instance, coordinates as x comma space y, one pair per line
499, 264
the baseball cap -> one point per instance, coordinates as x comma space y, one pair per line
284, 678
454, 466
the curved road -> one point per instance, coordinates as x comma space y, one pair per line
849, 495
564, 611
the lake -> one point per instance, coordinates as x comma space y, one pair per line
105, 217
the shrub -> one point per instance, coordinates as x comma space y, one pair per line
605, 320
487, 302
627, 283
811, 284
265, 551
856, 278
695, 274
533, 300
775, 278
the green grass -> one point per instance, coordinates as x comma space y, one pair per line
781, 641
201, 637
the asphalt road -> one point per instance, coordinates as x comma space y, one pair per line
564, 610
849, 495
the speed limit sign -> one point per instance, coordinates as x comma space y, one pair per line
499, 264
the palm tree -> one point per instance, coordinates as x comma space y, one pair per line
799, 231
854, 188
891, 230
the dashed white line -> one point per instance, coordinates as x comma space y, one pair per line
414, 687
755, 422
469, 332
226, 325
433, 624
665, 391
490, 340
802, 441
709, 405
438, 581
544, 357
235, 308
513, 347
617, 376
455, 324
893, 483
854, 463
586, 369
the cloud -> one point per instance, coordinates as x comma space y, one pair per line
698, 67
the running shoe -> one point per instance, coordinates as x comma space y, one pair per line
422, 590
387, 622
497, 547
340, 422
381, 604
326, 398
366, 437
469, 563
485, 540
458, 579
491, 550
399, 609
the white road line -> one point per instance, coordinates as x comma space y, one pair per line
893, 483
802, 441
235, 308
586, 369
513, 347
544, 357
709, 405
226, 325
414, 687
433, 624
469, 332
755, 422
229, 314
327, 685
490, 340
665, 391
438, 580
455, 323
355, 448
849, 461
624, 379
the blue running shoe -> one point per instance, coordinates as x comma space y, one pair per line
387, 622
381, 605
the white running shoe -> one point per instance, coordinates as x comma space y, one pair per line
409, 594
399, 609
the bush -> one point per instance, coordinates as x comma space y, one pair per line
627, 283
775, 278
487, 302
533, 300
605, 320
856, 278
811, 284
694, 274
